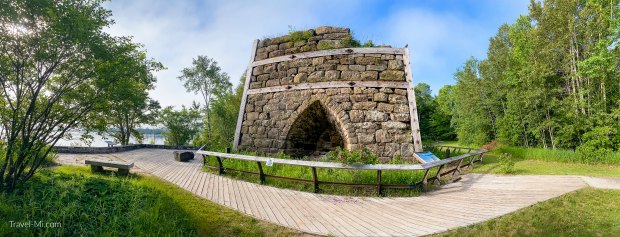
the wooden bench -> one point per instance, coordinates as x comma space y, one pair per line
110, 143
97, 166
425, 167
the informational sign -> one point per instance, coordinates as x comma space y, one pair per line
270, 162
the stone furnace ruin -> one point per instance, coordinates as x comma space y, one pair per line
310, 92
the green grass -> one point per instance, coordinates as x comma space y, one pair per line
586, 212
557, 155
87, 204
328, 175
523, 166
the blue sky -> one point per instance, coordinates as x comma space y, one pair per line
441, 34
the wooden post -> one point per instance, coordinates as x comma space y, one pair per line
438, 175
220, 165
471, 161
246, 87
413, 111
480, 159
261, 173
458, 167
228, 150
379, 188
425, 181
315, 179
204, 159
447, 153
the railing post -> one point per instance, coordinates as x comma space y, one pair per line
204, 160
316, 180
458, 168
261, 173
438, 175
220, 165
425, 181
471, 161
447, 153
480, 159
379, 188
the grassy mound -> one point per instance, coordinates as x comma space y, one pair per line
586, 212
70, 201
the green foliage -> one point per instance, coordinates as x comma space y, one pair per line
368, 43
183, 125
299, 36
324, 45
358, 155
224, 113
206, 77
506, 164
597, 145
68, 70
350, 42
549, 78
87, 204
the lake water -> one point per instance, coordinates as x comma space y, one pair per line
99, 141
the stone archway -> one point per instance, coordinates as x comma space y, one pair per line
314, 132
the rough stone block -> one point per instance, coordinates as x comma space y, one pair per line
365, 105
375, 67
380, 97
356, 116
359, 97
350, 75
370, 76
366, 60
375, 116
398, 99
385, 107
316, 76
396, 65
391, 75
359, 68
401, 117
393, 125
300, 78
365, 138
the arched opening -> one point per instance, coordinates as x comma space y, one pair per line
313, 133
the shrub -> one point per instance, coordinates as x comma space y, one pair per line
506, 164
597, 146
358, 155
349, 42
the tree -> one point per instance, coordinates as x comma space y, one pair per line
550, 79
206, 78
426, 107
441, 119
225, 110
128, 104
182, 125
56, 67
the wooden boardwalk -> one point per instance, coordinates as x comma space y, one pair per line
473, 199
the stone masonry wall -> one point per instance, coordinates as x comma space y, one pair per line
332, 37
377, 117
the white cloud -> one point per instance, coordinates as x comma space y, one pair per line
174, 32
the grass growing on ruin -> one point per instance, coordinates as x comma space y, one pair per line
76, 202
586, 212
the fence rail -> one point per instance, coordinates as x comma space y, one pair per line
475, 156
